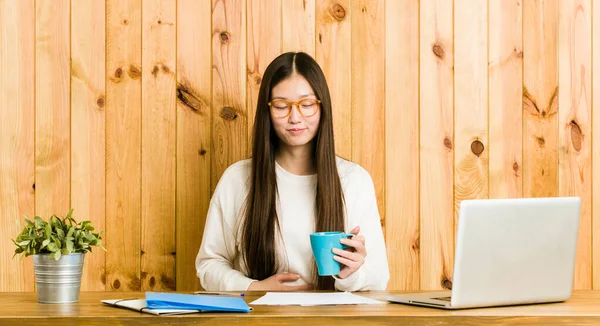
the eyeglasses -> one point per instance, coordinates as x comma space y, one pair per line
307, 107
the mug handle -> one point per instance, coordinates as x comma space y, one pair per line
347, 236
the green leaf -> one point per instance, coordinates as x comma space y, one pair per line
69, 245
60, 233
52, 247
39, 223
56, 255
24, 243
70, 232
87, 226
45, 243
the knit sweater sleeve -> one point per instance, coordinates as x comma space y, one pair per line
362, 211
218, 251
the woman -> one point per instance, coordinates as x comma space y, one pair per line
264, 209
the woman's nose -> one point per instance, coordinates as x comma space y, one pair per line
295, 115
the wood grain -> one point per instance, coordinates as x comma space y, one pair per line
505, 75
193, 136
540, 98
230, 123
52, 113
298, 26
61, 61
123, 144
471, 175
158, 145
333, 53
436, 133
17, 119
595, 153
368, 96
402, 143
575, 123
88, 119
263, 33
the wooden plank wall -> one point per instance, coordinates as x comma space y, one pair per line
129, 111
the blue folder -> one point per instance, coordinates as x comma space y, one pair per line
157, 300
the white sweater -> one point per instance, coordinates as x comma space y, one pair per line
219, 262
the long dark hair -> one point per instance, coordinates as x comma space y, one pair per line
261, 219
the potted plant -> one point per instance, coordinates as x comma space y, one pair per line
58, 247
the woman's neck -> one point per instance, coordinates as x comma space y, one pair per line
296, 160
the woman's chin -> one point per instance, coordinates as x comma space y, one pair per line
296, 142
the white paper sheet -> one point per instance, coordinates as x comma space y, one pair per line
312, 299
140, 305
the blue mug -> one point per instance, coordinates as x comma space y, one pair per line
322, 244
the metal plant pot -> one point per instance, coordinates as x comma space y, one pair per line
58, 281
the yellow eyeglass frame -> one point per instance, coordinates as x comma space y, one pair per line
297, 104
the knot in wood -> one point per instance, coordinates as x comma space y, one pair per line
338, 12
541, 141
134, 72
576, 135
228, 113
224, 37
416, 246
447, 284
447, 143
438, 50
477, 147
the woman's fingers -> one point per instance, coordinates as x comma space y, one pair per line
353, 265
354, 256
357, 242
286, 277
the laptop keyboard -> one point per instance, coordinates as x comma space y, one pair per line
443, 298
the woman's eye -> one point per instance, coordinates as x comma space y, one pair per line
307, 103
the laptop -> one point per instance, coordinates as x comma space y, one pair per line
509, 252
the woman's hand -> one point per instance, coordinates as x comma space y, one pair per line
353, 258
275, 283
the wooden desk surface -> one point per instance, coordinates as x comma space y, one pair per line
23, 309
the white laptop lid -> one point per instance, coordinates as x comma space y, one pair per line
511, 251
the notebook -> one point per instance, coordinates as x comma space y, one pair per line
158, 300
161, 304
141, 306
